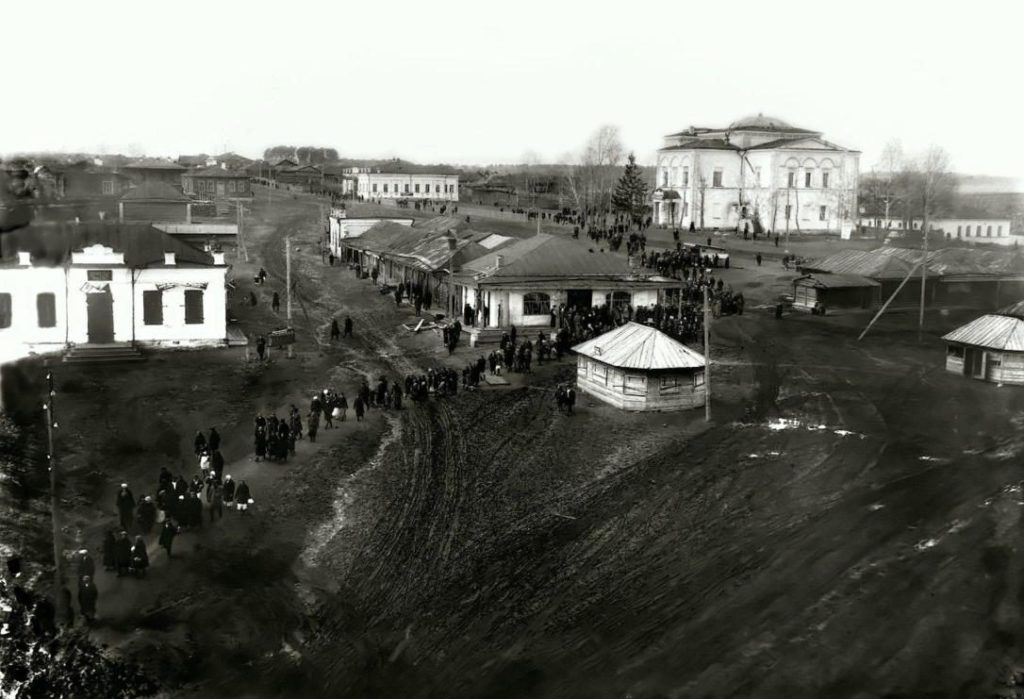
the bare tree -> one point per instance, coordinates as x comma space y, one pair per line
591, 176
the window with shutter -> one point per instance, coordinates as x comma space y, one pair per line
46, 310
193, 306
5, 310
153, 307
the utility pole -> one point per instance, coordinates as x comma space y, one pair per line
241, 233
707, 357
51, 463
288, 284
924, 267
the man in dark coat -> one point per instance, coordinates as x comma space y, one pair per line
87, 597
122, 554
146, 514
167, 535
199, 443
335, 330
348, 327
126, 506
214, 441
86, 566
216, 462
261, 346
242, 497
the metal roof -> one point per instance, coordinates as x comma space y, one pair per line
861, 263
142, 244
835, 281
544, 255
1014, 311
991, 332
636, 346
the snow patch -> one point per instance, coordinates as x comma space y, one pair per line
875, 506
925, 544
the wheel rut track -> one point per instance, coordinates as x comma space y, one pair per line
418, 531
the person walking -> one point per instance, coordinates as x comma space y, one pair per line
243, 497
217, 503
140, 557
276, 302
348, 327
87, 598
758, 259
335, 330
261, 346
359, 408
126, 506
314, 426
167, 535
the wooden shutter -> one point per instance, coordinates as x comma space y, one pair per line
46, 309
153, 307
5, 310
193, 306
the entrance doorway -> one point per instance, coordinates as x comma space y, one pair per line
100, 308
579, 298
220, 189
974, 362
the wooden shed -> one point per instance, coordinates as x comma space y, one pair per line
989, 348
835, 291
637, 367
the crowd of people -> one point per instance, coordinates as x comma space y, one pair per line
176, 504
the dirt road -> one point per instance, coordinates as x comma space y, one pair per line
845, 527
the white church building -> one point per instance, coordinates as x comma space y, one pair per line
758, 168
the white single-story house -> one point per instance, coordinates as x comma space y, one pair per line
106, 283
637, 367
526, 281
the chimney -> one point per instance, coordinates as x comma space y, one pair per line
218, 259
25, 259
169, 258
498, 260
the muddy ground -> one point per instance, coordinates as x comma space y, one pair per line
846, 526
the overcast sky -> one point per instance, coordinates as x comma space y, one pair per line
481, 82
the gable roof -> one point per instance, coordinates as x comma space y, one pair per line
997, 332
152, 164
782, 143
546, 256
636, 346
142, 244
863, 263
217, 172
703, 144
154, 191
835, 281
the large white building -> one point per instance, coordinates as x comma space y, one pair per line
101, 284
383, 185
758, 168
994, 231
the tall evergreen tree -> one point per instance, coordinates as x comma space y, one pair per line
630, 196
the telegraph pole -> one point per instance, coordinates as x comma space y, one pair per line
241, 234
288, 283
924, 269
51, 464
707, 357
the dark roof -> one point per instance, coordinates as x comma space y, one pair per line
142, 244
834, 281
193, 160
152, 164
217, 172
895, 263
704, 144
154, 191
282, 161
